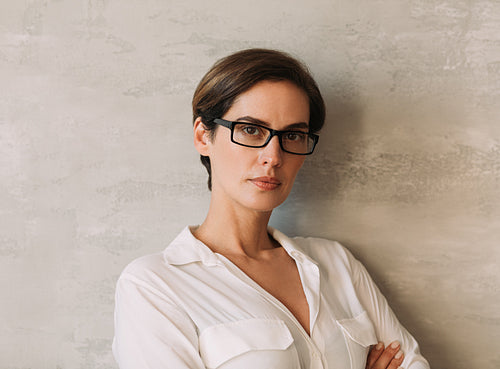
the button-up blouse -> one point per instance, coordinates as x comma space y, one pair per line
189, 307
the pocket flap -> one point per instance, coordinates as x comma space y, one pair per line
359, 329
222, 342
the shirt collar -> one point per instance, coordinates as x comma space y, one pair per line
186, 248
291, 247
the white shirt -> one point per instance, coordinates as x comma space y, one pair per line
189, 307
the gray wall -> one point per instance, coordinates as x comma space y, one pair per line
97, 165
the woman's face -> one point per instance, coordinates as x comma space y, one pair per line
259, 178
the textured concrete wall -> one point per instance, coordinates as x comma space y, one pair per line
97, 166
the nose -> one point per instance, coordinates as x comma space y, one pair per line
271, 154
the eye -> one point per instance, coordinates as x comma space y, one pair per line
295, 136
251, 130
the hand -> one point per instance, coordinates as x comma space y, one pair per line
389, 358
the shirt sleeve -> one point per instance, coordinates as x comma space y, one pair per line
387, 326
151, 332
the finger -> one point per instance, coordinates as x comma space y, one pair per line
387, 356
374, 354
397, 360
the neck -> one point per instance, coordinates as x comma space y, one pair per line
230, 229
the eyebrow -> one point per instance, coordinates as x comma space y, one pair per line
263, 123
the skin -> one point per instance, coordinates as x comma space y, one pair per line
390, 357
248, 184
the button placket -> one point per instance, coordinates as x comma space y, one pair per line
316, 361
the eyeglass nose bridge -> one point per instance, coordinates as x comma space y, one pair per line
273, 133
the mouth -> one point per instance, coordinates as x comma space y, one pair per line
266, 183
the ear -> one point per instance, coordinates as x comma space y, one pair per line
201, 137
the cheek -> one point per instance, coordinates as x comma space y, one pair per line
297, 164
227, 162
293, 169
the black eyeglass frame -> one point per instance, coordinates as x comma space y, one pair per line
230, 124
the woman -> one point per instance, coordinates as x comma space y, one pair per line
234, 292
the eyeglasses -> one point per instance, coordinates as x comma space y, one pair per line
255, 135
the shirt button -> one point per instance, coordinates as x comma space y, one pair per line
317, 364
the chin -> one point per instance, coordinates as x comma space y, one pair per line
265, 204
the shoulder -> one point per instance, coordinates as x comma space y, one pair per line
185, 261
150, 271
325, 251
144, 267
334, 260
144, 275
327, 254
181, 251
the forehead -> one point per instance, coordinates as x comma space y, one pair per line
275, 102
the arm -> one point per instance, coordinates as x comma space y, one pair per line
150, 330
386, 324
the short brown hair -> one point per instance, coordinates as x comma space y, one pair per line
233, 75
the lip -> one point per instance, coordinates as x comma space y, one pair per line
266, 183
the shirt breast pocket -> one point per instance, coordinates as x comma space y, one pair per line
249, 343
359, 335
